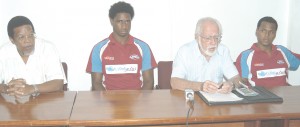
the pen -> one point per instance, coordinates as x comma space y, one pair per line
220, 86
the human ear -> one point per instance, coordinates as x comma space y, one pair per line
111, 21
11, 40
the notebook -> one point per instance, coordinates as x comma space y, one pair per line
264, 96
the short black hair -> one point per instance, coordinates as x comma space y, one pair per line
16, 22
119, 8
267, 19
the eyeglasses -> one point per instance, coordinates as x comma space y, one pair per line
23, 37
211, 38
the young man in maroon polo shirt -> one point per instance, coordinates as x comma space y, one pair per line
266, 64
121, 61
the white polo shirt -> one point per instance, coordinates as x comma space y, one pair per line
191, 65
43, 65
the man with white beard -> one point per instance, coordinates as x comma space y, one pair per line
202, 64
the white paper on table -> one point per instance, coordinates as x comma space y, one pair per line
219, 97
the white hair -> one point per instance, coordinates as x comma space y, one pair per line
207, 19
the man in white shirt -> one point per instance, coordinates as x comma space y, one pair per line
201, 64
28, 65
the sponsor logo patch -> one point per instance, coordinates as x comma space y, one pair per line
280, 62
121, 69
270, 73
109, 58
259, 64
134, 57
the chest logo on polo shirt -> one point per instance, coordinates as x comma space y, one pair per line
280, 62
121, 69
134, 57
270, 73
109, 58
259, 64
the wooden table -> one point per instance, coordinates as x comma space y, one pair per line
168, 107
290, 108
147, 108
50, 109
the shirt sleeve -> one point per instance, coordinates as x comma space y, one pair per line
238, 64
148, 61
95, 63
292, 59
229, 69
297, 55
53, 66
179, 69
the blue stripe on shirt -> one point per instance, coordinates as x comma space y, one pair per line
292, 59
244, 66
146, 63
96, 56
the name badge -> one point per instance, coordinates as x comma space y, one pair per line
121, 69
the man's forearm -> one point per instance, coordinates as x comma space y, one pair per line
51, 86
98, 87
182, 84
148, 85
235, 81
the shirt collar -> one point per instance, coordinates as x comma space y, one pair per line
114, 41
255, 48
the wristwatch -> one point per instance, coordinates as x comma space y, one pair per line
36, 91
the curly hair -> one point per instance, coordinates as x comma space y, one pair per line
121, 7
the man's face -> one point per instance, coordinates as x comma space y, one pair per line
209, 38
121, 24
266, 33
24, 39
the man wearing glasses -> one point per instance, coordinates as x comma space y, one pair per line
201, 64
28, 65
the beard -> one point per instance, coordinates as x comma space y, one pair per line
207, 51
27, 52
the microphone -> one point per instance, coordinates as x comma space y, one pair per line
189, 95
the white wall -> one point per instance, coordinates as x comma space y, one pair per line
293, 37
76, 25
